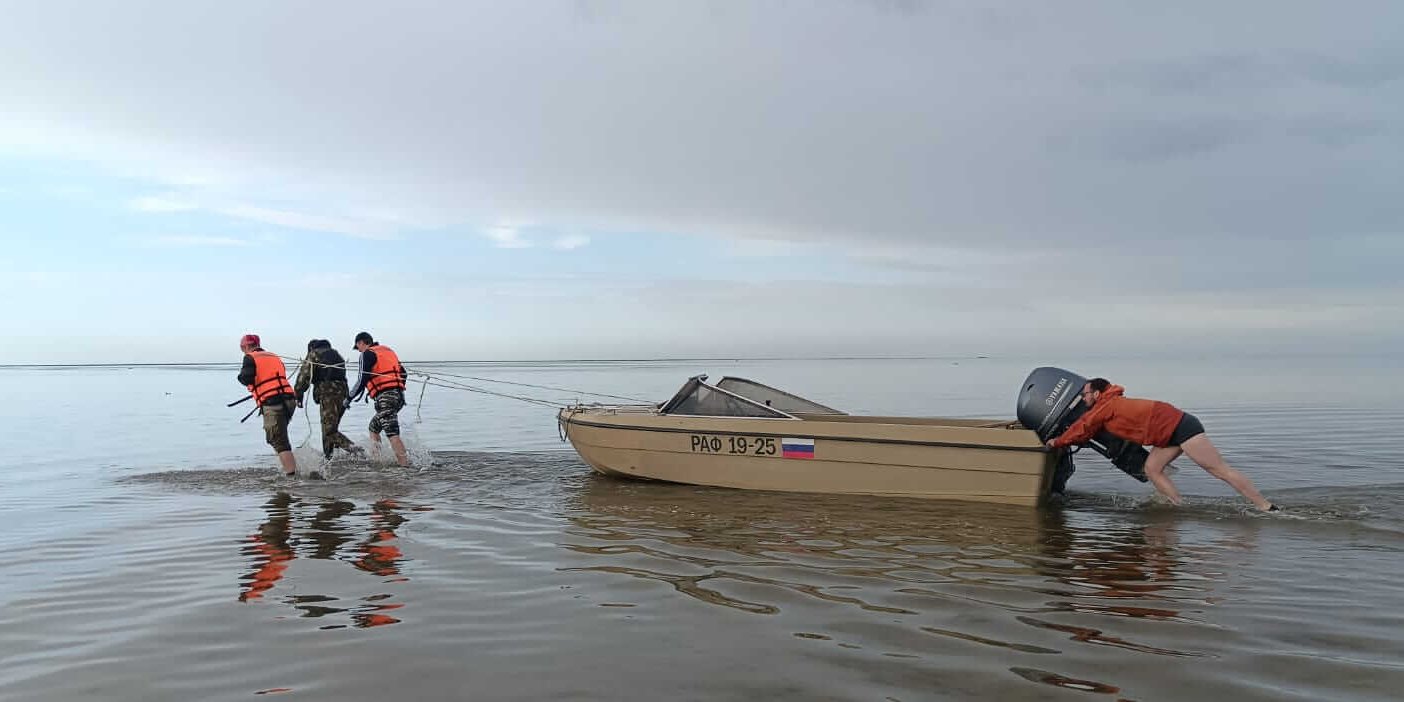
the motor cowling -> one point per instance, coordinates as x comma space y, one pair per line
1048, 397
1050, 400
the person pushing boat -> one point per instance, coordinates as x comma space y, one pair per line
1168, 430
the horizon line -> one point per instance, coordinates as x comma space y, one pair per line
519, 360
680, 359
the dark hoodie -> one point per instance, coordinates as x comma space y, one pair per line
323, 367
1146, 422
330, 366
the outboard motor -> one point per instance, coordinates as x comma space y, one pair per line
1050, 401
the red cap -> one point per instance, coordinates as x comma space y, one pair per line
250, 340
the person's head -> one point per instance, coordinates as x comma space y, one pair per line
249, 343
364, 341
1092, 391
317, 343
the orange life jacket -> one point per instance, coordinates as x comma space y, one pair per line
270, 377
387, 373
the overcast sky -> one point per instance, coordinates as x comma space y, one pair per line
598, 179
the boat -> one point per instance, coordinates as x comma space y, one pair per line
738, 433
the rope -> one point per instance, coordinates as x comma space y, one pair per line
436, 380
308, 414
304, 361
463, 386
542, 387
310, 430
439, 380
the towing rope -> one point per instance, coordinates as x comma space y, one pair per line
453, 381
542, 387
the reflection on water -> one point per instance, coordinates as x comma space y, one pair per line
764, 553
327, 534
269, 549
849, 597
1056, 680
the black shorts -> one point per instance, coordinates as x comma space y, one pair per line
1188, 428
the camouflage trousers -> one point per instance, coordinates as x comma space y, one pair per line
387, 412
276, 416
331, 400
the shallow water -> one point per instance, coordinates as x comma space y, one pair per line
154, 553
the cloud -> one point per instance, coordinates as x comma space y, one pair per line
1367, 69
761, 248
161, 204
360, 228
1049, 152
369, 225
569, 317
570, 242
905, 123
1186, 75
507, 236
1158, 139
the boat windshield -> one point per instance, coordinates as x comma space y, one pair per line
771, 397
699, 399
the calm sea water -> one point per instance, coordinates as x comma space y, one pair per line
152, 552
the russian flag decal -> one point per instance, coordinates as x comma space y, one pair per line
797, 448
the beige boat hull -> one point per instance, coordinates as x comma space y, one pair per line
970, 460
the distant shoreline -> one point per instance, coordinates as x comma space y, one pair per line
545, 360
1052, 358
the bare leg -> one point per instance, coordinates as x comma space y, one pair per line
401, 455
1160, 456
288, 461
375, 445
1202, 451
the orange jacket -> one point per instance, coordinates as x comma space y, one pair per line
270, 378
1146, 422
387, 373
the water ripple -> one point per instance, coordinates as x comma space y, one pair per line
186, 568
